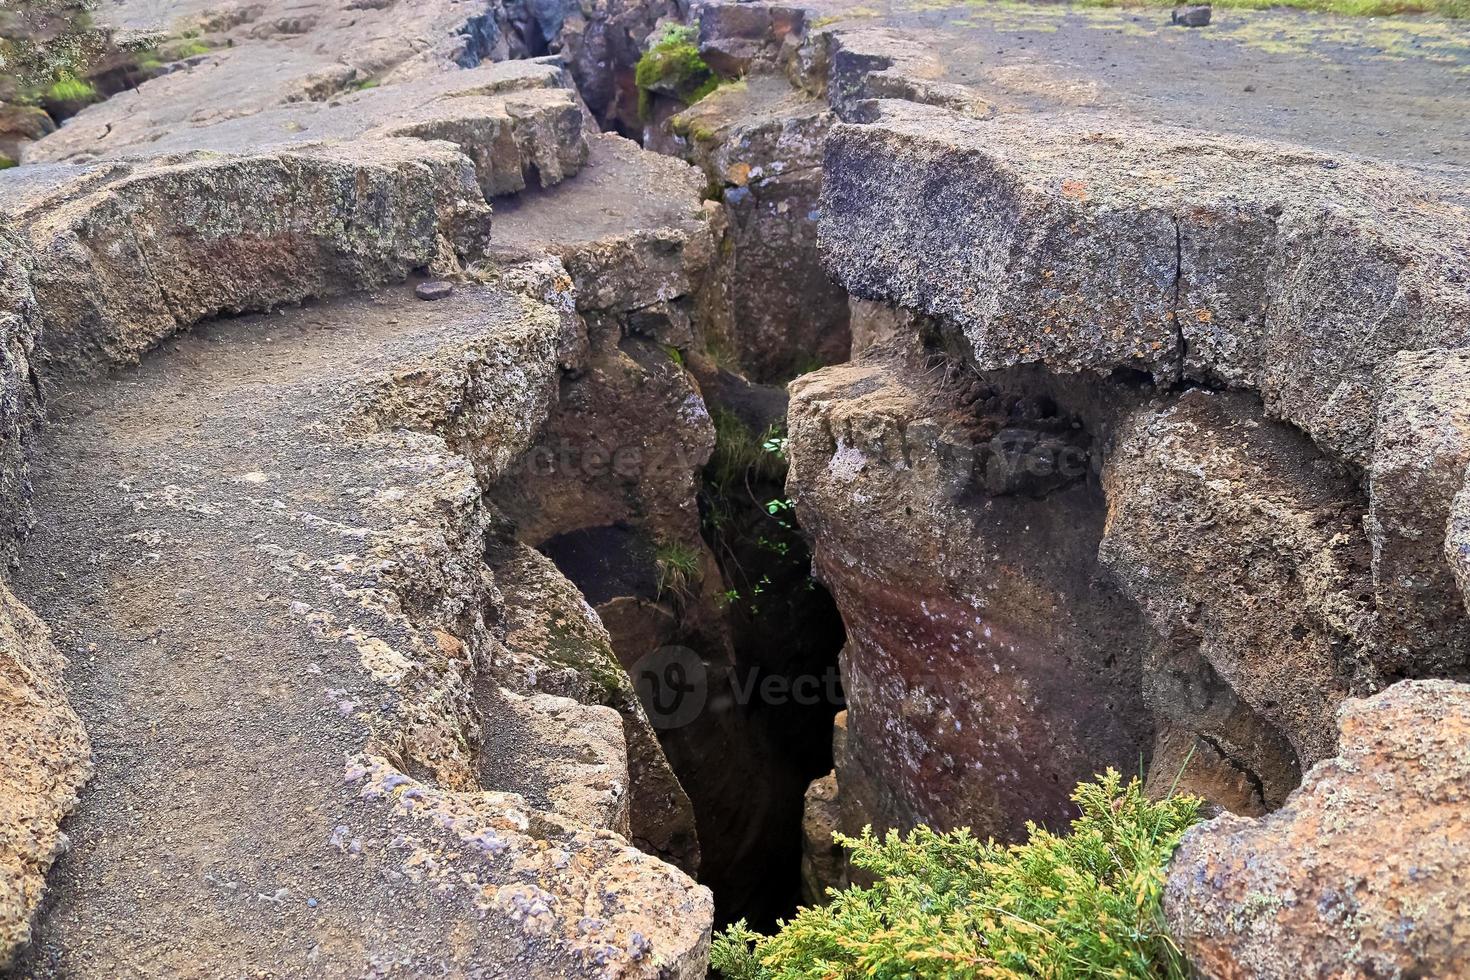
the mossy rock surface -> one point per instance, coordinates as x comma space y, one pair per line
672, 66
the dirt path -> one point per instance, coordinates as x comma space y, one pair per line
221, 551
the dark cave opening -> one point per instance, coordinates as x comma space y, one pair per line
738, 672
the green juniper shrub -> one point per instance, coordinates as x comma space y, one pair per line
1085, 904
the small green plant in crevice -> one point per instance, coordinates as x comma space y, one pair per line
1078, 905
69, 88
741, 457
677, 569
672, 66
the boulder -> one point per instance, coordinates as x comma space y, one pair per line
1242, 543
1364, 871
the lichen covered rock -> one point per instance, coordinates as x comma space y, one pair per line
47, 759
1363, 873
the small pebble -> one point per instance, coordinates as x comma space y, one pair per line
436, 289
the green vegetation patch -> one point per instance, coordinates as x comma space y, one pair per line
1082, 904
742, 457
677, 566
69, 88
672, 66
1350, 8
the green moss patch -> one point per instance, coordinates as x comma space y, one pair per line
672, 66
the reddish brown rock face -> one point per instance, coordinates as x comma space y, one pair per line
990, 664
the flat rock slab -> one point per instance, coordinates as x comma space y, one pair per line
631, 229
263, 55
265, 558
1269, 74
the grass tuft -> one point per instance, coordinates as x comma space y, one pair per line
677, 567
1081, 904
69, 88
741, 457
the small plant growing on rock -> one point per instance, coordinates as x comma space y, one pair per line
1081, 904
672, 66
677, 567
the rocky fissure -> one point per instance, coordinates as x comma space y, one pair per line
881, 440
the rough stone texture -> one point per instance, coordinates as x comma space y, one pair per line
1457, 540
615, 475
1241, 542
632, 232
270, 518
20, 322
759, 144
555, 642
990, 664
1181, 254
125, 255
47, 759
875, 324
601, 41
631, 432
1420, 453
823, 860
518, 122
852, 67
1363, 873
269, 53
740, 39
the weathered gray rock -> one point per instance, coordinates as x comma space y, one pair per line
852, 67
318, 476
1049, 239
1197, 15
874, 324
1241, 542
759, 144
519, 123
740, 39
554, 642
1363, 873
632, 231
267, 54
1420, 453
126, 254
20, 322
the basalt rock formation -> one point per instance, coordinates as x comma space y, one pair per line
1115, 442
